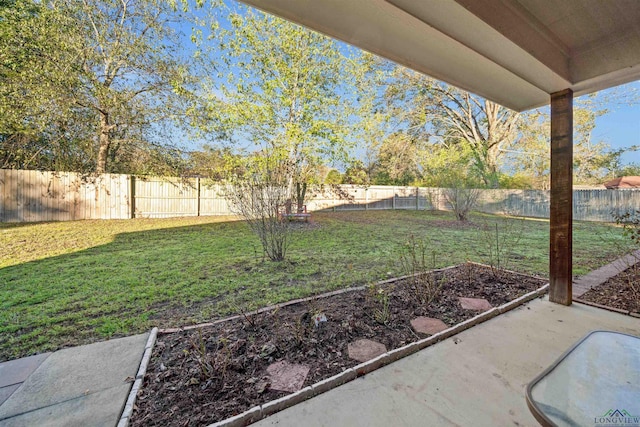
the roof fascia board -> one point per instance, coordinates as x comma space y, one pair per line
606, 81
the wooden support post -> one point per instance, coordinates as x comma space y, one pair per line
560, 257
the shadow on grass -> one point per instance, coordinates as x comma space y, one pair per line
167, 277
175, 276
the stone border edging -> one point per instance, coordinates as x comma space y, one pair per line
606, 307
137, 384
617, 266
259, 412
599, 276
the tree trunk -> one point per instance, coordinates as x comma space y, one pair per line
301, 192
104, 142
492, 178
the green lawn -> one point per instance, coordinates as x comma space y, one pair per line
74, 282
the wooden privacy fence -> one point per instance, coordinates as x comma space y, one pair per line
31, 196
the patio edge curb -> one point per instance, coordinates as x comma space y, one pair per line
258, 413
142, 369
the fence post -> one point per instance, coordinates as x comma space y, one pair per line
393, 198
198, 196
366, 198
132, 195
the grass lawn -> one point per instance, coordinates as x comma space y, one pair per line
69, 283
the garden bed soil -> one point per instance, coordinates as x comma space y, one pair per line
621, 292
200, 376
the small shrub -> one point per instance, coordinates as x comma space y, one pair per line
416, 264
500, 240
258, 192
630, 222
214, 363
469, 272
303, 328
249, 312
381, 312
462, 200
629, 277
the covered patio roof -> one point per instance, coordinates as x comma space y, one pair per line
519, 53
513, 52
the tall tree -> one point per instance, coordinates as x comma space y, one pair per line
632, 169
282, 88
113, 66
443, 114
399, 160
593, 162
36, 55
373, 126
531, 155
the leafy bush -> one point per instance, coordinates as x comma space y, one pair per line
630, 222
259, 191
382, 312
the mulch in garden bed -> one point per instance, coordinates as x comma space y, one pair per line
200, 376
621, 291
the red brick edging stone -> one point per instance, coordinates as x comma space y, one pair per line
364, 350
428, 325
475, 304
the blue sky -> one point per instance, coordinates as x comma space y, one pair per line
619, 128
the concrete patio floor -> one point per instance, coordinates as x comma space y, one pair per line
77, 386
475, 378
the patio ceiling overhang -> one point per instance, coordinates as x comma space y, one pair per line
513, 52
519, 53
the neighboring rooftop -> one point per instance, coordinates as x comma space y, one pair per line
623, 182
